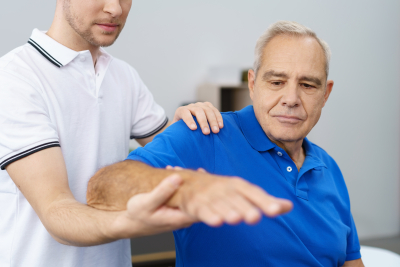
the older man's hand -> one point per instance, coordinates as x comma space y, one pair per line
204, 197
215, 200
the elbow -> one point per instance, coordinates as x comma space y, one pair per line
104, 191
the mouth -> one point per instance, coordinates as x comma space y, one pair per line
288, 119
108, 27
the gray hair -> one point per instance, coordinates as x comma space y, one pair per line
288, 28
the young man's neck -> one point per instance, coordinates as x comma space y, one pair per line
63, 33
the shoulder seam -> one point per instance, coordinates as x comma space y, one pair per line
13, 56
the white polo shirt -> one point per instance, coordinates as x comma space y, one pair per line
52, 96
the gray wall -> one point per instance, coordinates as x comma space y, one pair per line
173, 44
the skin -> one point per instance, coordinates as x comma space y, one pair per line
42, 177
288, 92
212, 199
88, 25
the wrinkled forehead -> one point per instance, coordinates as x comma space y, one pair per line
295, 56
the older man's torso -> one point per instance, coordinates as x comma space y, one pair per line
318, 232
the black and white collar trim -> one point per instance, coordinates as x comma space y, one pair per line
44, 53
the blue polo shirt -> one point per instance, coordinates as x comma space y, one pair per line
319, 231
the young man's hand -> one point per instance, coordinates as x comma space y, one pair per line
147, 214
205, 114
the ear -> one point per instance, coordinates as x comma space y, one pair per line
328, 90
251, 80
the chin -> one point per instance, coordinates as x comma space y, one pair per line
103, 42
286, 136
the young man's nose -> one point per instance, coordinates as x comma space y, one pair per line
113, 7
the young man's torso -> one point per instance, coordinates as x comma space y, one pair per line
54, 96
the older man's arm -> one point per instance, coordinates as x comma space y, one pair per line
354, 263
208, 198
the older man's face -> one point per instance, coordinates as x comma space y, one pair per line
290, 88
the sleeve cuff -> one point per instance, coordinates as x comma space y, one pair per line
27, 152
156, 130
353, 256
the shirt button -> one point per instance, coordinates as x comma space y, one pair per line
82, 59
289, 169
279, 154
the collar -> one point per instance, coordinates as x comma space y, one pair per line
253, 131
257, 138
55, 52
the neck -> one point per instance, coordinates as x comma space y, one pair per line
295, 151
63, 33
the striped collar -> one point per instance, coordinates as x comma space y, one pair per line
53, 51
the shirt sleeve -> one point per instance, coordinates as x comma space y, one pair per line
353, 244
26, 127
178, 146
148, 117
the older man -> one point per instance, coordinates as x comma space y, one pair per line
67, 108
265, 144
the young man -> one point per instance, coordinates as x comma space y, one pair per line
67, 108
265, 144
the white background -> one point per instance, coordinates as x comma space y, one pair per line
174, 43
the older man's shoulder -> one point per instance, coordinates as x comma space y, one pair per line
323, 154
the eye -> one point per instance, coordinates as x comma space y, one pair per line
306, 85
277, 83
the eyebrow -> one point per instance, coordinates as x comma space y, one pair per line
311, 79
269, 74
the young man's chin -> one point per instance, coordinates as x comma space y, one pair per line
104, 41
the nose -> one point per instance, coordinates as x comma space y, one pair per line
291, 97
113, 7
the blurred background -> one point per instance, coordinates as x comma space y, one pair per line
180, 46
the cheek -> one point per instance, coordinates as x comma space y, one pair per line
313, 109
126, 7
265, 99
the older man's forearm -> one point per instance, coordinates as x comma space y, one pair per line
203, 196
112, 186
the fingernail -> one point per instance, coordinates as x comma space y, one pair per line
175, 180
274, 208
215, 129
220, 124
193, 126
206, 130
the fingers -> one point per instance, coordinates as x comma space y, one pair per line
211, 118
247, 211
201, 170
201, 117
176, 168
269, 205
217, 114
210, 217
205, 113
185, 114
158, 196
229, 214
